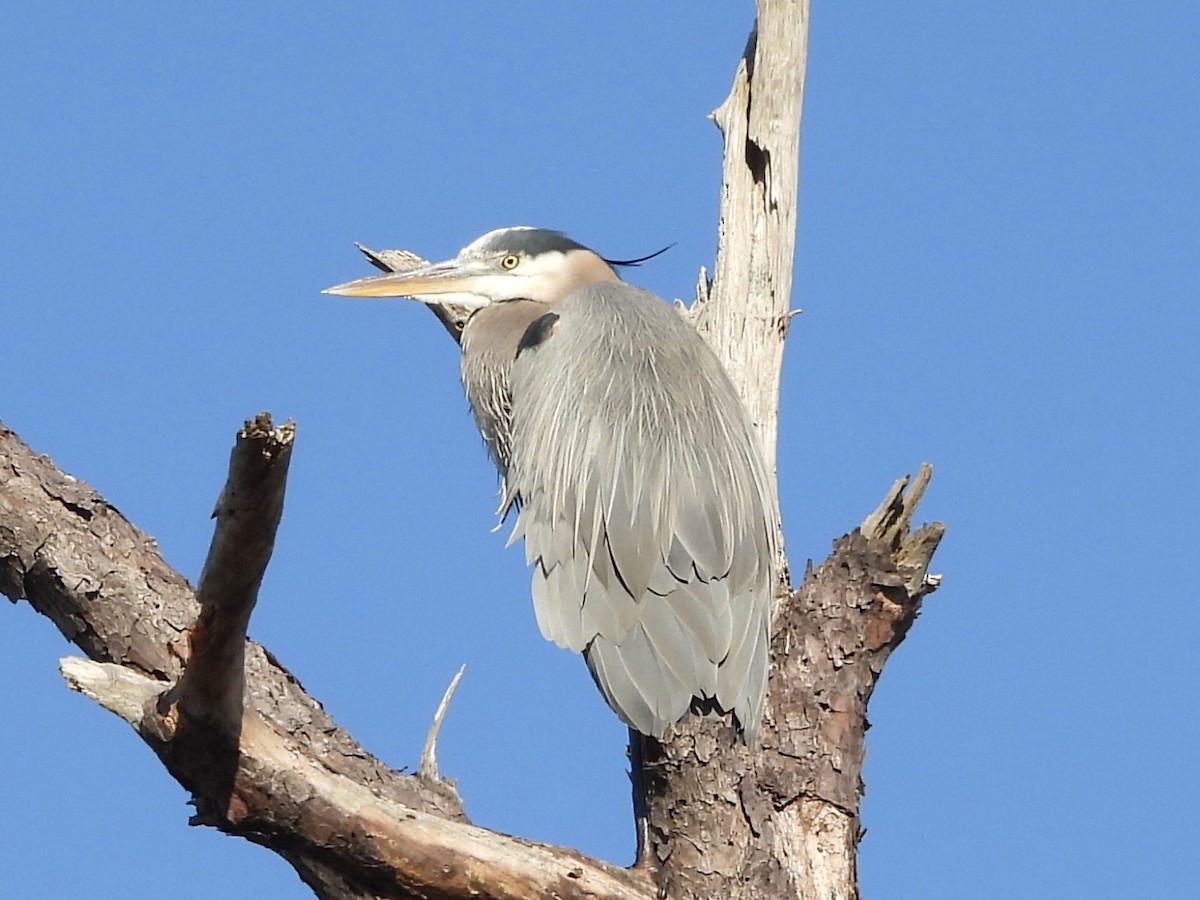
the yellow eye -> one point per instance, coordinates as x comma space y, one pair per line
510, 262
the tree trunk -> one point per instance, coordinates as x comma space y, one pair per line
262, 759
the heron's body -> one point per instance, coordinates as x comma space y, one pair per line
640, 490
489, 347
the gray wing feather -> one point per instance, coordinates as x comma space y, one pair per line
703, 609
558, 622
607, 608
679, 649
736, 669
488, 340
611, 675
645, 508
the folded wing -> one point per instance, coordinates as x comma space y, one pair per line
646, 510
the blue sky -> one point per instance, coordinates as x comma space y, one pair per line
999, 266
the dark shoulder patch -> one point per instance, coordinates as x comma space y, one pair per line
538, 331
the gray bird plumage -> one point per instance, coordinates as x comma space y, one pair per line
489, 345
643, 508
635, 473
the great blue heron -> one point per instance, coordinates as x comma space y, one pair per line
640, 489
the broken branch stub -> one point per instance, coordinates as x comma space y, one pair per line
247, 511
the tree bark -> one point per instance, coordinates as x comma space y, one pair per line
263, 761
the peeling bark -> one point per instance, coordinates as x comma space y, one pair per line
247, 513
781, 819
778, 820
74, 558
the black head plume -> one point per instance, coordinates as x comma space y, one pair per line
640, 259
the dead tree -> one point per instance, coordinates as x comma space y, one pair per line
263, 761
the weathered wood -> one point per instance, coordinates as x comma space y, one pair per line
781, 819
77, 560
248, 511
725, 821
744, 312
427, 767
343, 837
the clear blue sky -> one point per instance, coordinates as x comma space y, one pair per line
999, 266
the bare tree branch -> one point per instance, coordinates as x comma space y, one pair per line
745, 317
285, 800
283, 775
287, 778
247, 513
427, 768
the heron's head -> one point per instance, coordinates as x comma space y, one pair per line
519, 263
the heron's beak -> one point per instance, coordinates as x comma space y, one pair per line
444, 282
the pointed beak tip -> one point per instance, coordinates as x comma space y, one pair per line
346, 289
